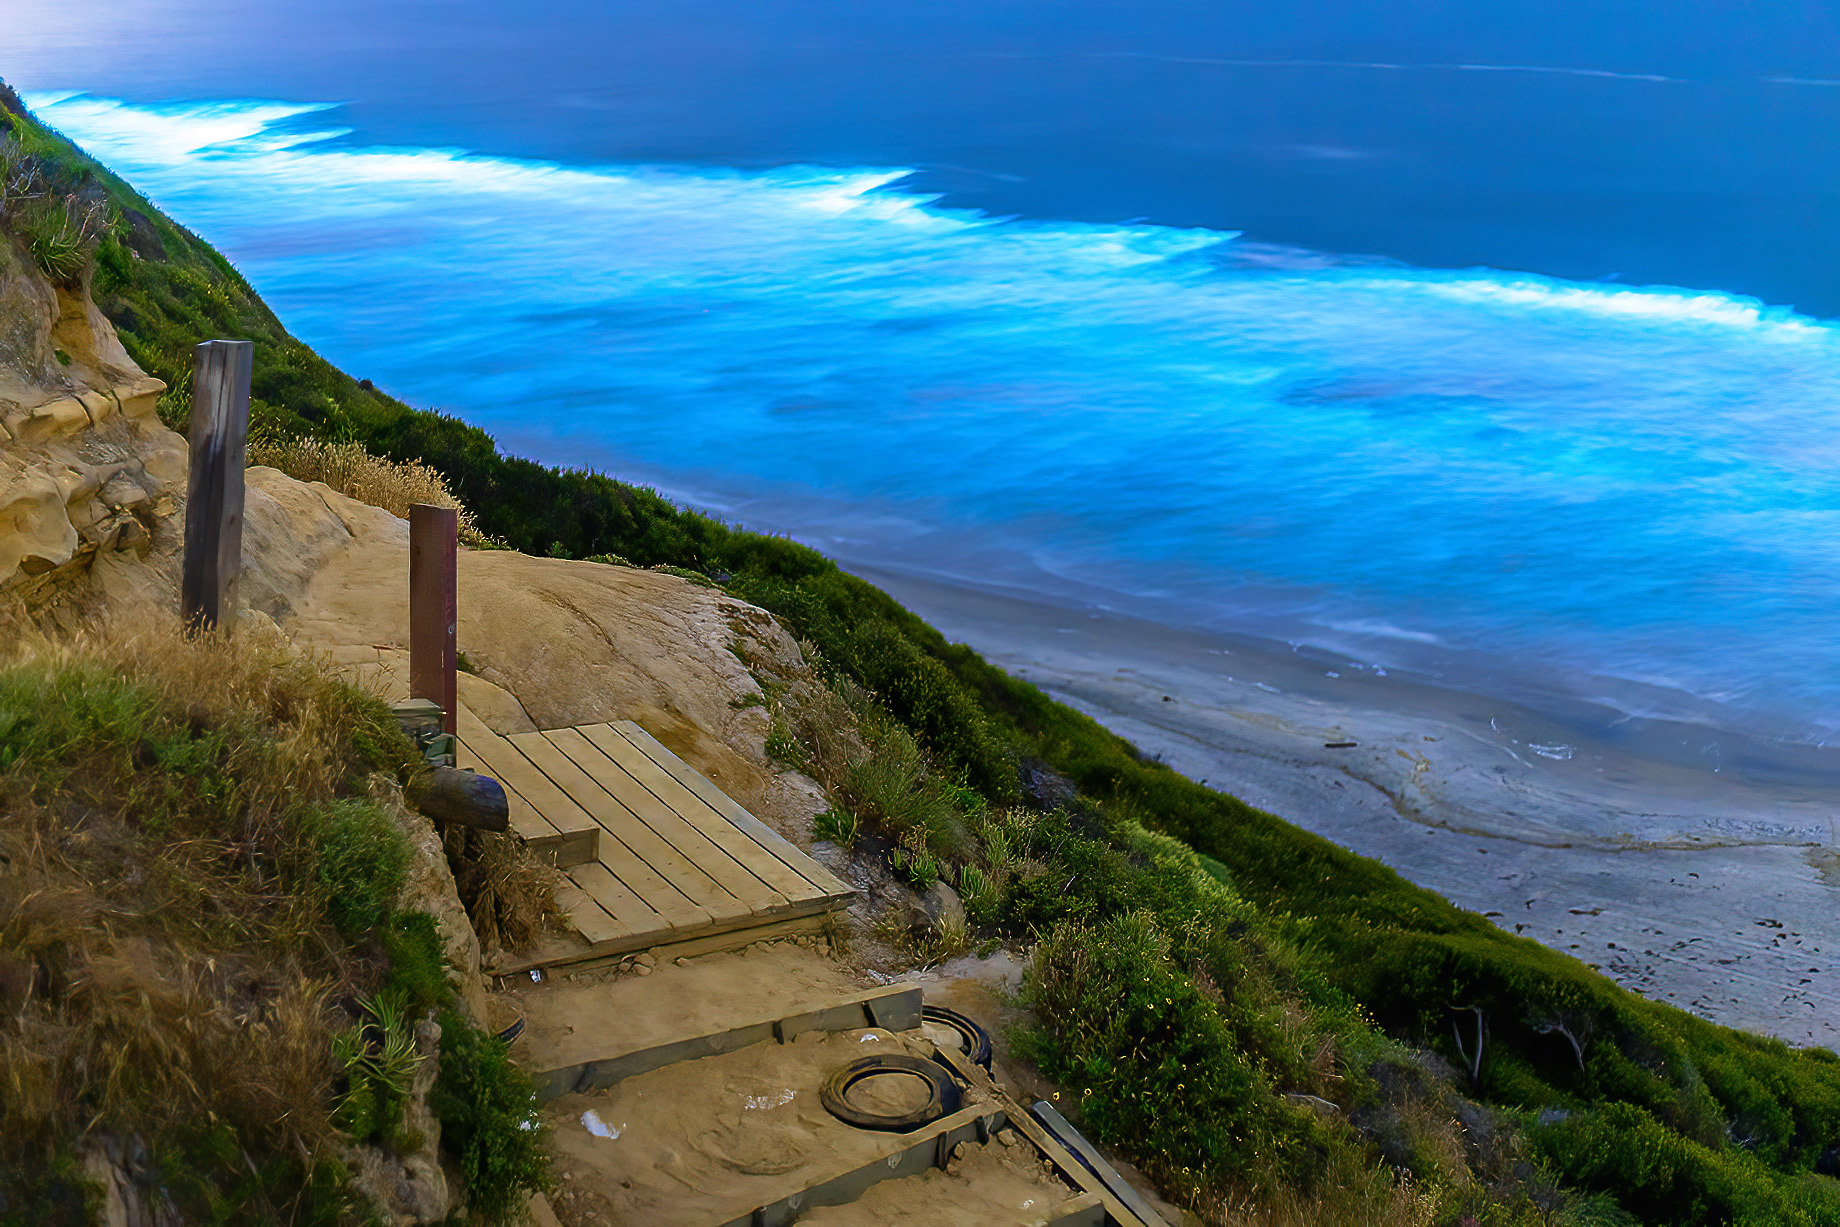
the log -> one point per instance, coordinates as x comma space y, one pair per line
448, 794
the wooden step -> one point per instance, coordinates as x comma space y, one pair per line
652, 852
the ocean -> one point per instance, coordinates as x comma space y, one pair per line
1494, 351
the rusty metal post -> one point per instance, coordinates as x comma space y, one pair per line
433, 606
214, 493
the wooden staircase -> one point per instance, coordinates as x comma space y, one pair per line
653, 853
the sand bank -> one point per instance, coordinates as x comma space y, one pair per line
1708, 883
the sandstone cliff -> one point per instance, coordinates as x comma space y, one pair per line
89, 478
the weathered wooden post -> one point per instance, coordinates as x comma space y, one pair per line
433, 606
214, 494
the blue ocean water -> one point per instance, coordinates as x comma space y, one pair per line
1625, 493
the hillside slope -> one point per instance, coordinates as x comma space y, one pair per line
1673, 1119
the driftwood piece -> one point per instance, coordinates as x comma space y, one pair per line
447, 794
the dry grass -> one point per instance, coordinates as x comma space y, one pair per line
1350, 1194
509, 894
167, 967
394, 485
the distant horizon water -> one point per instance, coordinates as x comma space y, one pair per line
1622, 495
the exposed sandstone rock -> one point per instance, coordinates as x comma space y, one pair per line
410, 1189
552, 642
86, 469
127, 1184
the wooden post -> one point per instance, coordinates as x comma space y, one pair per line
214, 494
433, 606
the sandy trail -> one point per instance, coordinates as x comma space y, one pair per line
705, 1140
1002, 1184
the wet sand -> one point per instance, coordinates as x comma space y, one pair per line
1608, 837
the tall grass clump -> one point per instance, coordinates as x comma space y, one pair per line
394, 485
194, 887
60, 228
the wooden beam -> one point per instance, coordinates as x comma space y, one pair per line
214, 493
434, 607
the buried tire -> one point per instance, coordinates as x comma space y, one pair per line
895, 1094
971, 1039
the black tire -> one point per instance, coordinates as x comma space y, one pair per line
942, 1093
977, 1041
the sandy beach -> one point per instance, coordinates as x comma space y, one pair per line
1610, 838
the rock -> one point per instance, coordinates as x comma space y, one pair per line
413, 1188
128, 1194
942, 908
76, 438
1047, 788
646, 958
430, 888
642, 969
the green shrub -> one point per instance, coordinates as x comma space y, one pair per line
418, 963
1152, 1062
488, 1112
1664, 1178
360, 861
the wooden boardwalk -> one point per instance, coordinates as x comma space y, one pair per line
651, 851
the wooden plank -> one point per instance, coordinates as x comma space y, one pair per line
734, 811
890, 1007
616, 900
587, 916
670, 883
732, 933
528, 824
681, 831
1115, 1184
1084, 1210
213, 558
908, 1154
511, 768
845, 1014
756, 860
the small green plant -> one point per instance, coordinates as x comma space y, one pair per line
418, 969
784, 748
378, 1059
62, 357
913, 861
981, 896
838, 825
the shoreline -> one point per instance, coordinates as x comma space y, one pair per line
1713, 890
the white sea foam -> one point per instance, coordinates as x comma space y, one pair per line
1657, 304
1387, 66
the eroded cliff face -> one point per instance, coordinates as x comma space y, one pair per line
89, 478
